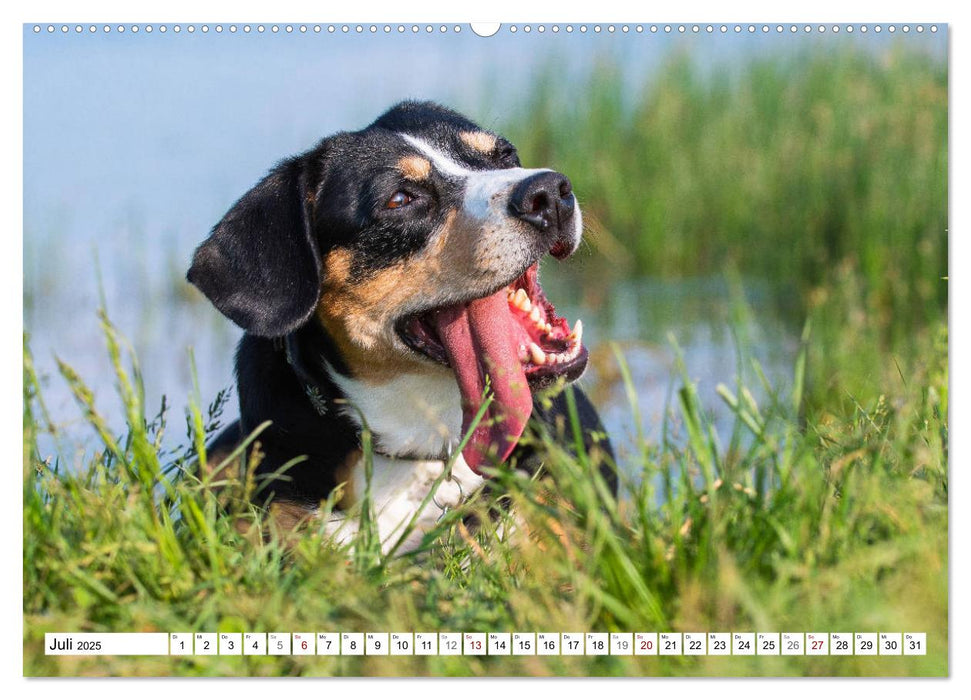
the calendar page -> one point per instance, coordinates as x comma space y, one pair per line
514, 349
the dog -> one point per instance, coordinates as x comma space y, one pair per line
387, 281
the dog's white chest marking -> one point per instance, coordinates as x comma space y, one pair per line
410, 416
398, 490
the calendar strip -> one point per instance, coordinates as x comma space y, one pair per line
487, 644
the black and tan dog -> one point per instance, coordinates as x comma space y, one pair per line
389, 277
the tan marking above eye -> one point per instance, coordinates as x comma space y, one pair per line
481, 141
415, 167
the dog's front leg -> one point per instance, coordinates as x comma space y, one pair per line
409, 497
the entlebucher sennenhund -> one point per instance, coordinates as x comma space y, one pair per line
388, 277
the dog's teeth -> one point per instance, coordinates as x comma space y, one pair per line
523, 353
521, 300
548, 328
535, 314
536, 354
577, 333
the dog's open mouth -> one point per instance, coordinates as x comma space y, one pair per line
513, 340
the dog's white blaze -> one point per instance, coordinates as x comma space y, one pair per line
481, 202
412, 414
442, 162
398, 488
481, 186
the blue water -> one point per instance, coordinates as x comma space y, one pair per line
136, 144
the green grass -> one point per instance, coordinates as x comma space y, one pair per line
805, 525
825, 510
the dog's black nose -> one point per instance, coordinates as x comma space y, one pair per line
546, 201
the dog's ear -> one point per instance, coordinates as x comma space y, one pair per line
260, 265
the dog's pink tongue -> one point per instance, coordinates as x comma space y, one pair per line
481, 338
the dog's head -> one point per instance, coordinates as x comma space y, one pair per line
415, 244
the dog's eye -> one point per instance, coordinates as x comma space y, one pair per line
399, 199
